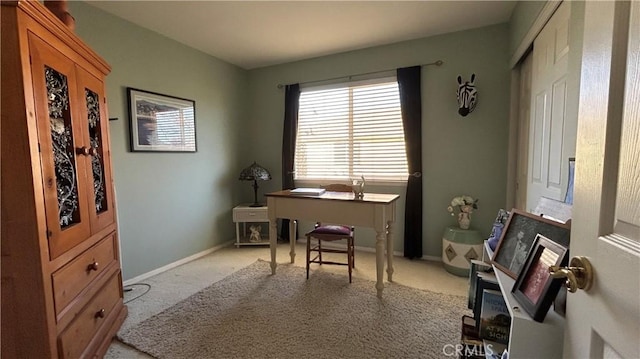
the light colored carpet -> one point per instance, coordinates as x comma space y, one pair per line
254, 314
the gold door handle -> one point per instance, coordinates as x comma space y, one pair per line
579, 274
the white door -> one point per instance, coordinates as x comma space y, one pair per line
524, 112
604, 321
550, 140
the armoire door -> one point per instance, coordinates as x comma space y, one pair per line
61, 146
98, 158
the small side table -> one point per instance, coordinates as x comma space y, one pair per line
244, 214
459, 247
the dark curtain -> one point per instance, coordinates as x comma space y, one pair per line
411, 103
291, 105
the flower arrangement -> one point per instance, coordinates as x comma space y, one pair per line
466, 205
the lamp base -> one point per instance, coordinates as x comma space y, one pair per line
255, 195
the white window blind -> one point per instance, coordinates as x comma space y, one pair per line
351, 130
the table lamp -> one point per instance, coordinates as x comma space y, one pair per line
254, 173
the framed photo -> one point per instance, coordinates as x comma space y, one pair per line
161, 123
535, 289
517, 238
502, 216
568, 197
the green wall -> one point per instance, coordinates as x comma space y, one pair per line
170, 205
173, 205
461, 155
522, 17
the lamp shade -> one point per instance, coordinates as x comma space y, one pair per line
255, 172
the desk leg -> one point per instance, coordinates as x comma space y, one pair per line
389, 252
273, 243
380, 237
292, 239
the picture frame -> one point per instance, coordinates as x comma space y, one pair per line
517, 239
502, 216
535, 289
497, 228
161, 123
568, 197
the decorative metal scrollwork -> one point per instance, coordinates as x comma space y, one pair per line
62, 140
97, 166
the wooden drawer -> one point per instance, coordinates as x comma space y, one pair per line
75, 339
250, 214
71, 279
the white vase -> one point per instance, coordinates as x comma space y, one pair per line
464, 220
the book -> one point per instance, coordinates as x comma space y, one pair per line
493, 350
495, 320
484, 281
476, 267
471, 346
469, 327
308, 191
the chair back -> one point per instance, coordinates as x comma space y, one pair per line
338, 187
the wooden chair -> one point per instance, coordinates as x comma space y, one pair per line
331, 233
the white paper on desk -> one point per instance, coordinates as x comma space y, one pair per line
308, 191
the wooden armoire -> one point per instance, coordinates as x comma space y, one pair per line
62, 293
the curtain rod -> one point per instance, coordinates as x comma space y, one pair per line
436, 63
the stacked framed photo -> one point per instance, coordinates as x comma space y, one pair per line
518, 236
528, 246
535, 289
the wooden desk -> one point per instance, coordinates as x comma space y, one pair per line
377, 211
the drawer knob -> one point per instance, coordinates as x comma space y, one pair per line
100, 313
93, 266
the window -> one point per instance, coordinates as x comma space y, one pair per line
351, 130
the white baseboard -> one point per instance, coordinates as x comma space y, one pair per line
432, 258
175, 264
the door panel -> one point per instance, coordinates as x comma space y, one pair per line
98, 161
556, 135
606, 226
65, 184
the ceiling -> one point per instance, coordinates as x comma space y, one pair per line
253, 34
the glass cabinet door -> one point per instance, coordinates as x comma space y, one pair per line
94, 117
60, 136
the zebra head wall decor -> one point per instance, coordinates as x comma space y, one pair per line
467, 95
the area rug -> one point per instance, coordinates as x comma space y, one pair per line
253, 314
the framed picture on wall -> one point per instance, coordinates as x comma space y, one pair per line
161, 123
517, 238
